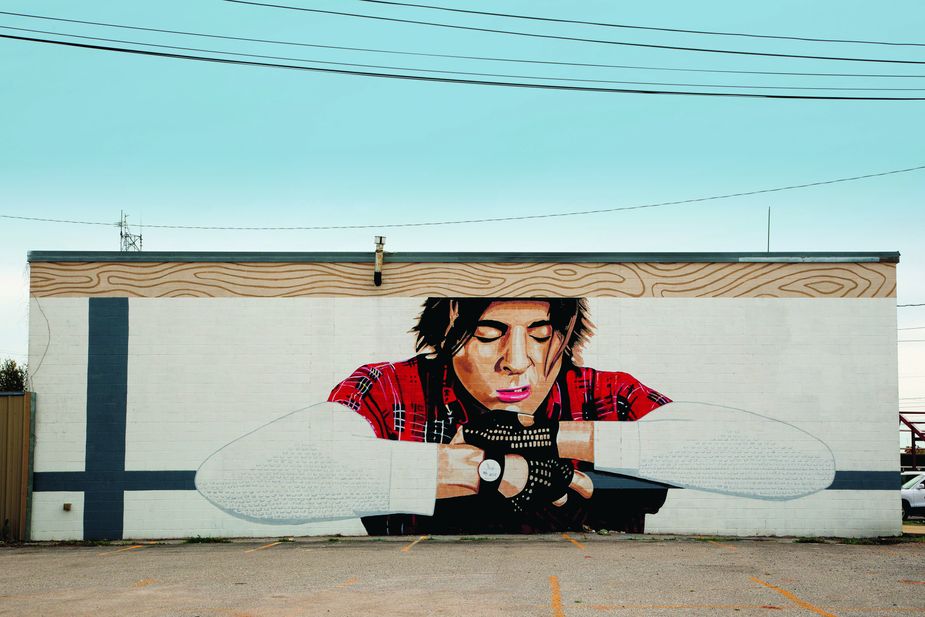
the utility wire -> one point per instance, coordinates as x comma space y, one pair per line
447, 72
496, 219
571, 38
456, 56
47, 220
454, 80
636, 27
905, 305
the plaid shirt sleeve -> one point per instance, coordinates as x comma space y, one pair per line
620, 396
372, 391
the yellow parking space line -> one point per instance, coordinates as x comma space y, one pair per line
408, 547
683, 607
121, 550
260, 548
866, 610
724, 545
875, 610
555, 599
348, 583
145, 582
573, 541
794, 599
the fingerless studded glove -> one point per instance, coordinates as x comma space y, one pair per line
503, 434
547, 481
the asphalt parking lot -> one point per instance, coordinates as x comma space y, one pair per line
554, 576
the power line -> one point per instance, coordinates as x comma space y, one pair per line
495, 219
905, 305
572, 38
469, 73
48, 220
456, 56
452, 80
915, 328
650, 28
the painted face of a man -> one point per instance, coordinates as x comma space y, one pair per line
513, 358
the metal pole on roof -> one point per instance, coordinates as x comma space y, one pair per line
769, 229
380, 254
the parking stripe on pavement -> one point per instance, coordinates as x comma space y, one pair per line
794, 599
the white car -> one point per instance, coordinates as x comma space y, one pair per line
913, 496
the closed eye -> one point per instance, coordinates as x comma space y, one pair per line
540, 331
486, 339
488, 331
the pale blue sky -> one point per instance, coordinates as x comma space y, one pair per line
87, 133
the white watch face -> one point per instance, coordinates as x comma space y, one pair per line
489, 470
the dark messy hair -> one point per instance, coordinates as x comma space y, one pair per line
446, 324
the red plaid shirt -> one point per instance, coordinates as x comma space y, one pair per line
419, 400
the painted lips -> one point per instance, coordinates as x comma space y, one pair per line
513, 395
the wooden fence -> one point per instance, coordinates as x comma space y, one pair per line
16, 438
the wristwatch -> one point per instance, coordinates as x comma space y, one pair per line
490, 472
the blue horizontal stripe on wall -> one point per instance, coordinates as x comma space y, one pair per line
605, 481
185, 481
844, 481
126, 480
866, 481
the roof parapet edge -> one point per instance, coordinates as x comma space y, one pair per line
485, 257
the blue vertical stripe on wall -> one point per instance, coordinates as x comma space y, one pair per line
107, 385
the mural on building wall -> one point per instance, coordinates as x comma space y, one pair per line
497, 427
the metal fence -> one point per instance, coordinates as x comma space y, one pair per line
912, 422
16, 439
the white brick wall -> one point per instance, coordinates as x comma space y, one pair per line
203, 372
58, 365
186, 514
826, 366
827, 513
49, 519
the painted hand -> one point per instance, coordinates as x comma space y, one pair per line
526, 484
504, 433
530, 484
548, 481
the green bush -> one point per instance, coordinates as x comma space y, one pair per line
13, 378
